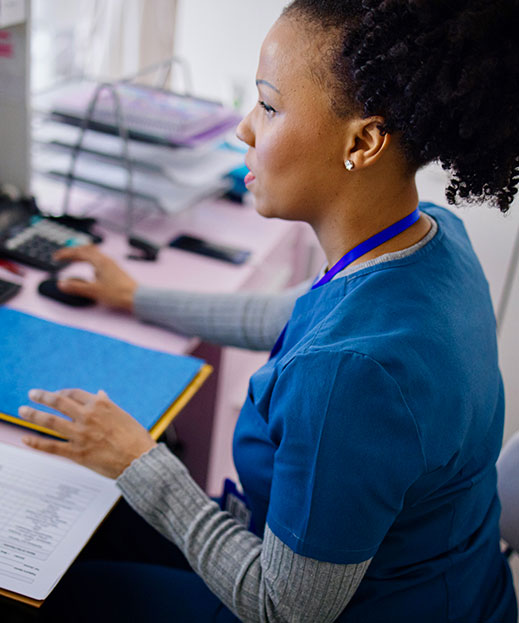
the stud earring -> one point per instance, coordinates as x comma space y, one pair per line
350, 165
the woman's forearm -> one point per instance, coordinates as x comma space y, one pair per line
244, 319
259, 580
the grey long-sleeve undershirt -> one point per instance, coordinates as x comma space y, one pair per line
247, 320
259, 580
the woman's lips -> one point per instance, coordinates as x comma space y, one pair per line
250, 177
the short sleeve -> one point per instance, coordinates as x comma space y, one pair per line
348, 450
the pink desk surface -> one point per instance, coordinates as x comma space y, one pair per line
219, 221
9, 433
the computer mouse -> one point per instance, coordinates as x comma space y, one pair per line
49, 287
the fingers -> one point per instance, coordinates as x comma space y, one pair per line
47, 420
60, 448
79, 395
78, 286
58, 401
85, 253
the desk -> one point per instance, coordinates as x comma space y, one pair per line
276, 247
278, 258
178, 269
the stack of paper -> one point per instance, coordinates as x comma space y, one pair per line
152, 115
50, 508
177, 148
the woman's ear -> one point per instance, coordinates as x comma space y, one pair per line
365, 143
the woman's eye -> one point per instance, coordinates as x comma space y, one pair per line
268, 109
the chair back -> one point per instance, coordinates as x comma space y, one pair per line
508, 489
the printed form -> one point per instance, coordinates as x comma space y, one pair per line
49, 508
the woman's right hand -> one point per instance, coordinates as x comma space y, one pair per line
111, 286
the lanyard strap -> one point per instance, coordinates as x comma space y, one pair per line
361, 249
368, 245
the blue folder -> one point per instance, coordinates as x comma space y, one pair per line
40, 354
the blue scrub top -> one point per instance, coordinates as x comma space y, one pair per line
375, 430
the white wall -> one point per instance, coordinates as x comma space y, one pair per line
221, 40
53, 57
509, 349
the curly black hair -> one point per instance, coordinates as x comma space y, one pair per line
444, 75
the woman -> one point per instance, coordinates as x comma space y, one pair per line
367, 444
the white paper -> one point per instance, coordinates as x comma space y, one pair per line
198, 165
152, 186
49, 508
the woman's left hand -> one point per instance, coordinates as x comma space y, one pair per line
99, 434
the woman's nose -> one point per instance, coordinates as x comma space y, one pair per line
244, 131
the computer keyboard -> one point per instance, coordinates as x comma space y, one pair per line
8, 290
34, 243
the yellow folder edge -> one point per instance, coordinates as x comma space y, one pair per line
156, 431
177, 406
158, 428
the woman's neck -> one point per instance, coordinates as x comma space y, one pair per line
364, 214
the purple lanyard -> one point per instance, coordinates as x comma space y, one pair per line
364, 247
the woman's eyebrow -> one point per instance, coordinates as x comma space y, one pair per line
258, 82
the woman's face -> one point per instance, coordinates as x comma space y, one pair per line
296, 154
